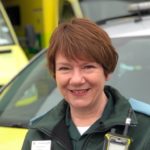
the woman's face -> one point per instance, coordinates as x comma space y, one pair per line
81, 82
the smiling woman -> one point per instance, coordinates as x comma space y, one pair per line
81, 83
81, 58
33, 93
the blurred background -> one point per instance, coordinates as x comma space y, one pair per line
34, 20
26, 25
27, 91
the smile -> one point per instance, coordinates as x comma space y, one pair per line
80, 91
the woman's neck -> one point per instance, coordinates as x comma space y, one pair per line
87, 116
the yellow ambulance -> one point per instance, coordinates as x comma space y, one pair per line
12, 56
44, 16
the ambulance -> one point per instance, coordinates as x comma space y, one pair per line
12, 56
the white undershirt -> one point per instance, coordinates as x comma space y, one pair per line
83, 129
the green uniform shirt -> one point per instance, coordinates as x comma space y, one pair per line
79, 140
57, 126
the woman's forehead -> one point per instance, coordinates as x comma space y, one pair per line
75, 56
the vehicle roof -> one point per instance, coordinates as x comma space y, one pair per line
128, 26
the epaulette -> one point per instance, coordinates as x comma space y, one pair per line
140, 106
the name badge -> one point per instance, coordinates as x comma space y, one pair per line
41, 145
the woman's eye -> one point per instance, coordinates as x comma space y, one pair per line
64, 68
89, 67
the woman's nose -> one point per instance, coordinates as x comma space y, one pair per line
77, 77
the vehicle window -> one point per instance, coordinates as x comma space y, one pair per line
5, 36
66, 11
132, 75
27, 95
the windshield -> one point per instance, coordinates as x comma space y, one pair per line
5, 36
34, 91
132, 75
98, 10
29, 96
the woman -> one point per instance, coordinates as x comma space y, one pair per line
81, 59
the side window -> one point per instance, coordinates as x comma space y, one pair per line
5, 35
66, 11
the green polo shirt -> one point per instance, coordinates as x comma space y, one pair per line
79, 140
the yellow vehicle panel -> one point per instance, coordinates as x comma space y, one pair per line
12, 56
12, 60
11, 138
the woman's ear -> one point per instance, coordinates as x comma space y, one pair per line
108, 77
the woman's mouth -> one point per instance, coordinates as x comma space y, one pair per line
79, 92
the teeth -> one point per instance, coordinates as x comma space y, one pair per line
78, 91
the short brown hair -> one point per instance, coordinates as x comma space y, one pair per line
82, 39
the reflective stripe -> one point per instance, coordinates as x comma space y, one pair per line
140, 106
